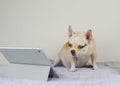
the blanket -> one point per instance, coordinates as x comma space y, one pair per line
108, 74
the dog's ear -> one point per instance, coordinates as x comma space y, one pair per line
89, 35
70, 31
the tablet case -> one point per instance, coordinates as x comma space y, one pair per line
26, 63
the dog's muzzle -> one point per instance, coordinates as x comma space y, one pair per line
73, 52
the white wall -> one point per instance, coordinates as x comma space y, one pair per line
43, 23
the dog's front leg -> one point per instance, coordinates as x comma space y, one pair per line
93, 58
73, 68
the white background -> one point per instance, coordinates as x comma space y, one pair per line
44, 23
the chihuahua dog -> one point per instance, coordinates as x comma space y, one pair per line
79, 49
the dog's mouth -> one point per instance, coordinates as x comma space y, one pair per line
73, 52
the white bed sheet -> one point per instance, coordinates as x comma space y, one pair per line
108, 74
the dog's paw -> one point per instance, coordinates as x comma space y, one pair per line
73, 69
95, 67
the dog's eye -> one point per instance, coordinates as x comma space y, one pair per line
80, 46
69, 45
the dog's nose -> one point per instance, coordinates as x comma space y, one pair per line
73, 52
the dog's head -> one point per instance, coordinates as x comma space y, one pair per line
78, 41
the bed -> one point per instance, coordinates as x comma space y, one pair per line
108, 74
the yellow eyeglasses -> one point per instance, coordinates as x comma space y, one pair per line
77, 47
